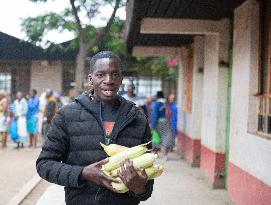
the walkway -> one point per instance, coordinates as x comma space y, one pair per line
180, 184
17, 167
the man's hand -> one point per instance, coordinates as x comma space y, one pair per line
93, 173
135, 181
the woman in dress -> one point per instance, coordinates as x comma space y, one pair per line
3, 118
162, 125
20, 112
172, 115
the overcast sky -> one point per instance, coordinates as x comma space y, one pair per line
12, 11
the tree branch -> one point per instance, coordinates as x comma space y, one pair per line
77, 19
112, 17
102, 33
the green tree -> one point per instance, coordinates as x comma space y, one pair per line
75, 18
155, 66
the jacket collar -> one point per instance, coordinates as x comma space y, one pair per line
126, 114
94, 106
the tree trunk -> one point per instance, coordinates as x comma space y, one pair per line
80, 74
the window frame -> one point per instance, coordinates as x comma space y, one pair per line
264, 97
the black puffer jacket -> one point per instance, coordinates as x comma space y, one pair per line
73, 142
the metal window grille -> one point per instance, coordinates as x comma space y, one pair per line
5, 82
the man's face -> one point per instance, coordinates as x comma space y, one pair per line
19, 95
31, 94
48, 93
172, 98
130, 89
106, 79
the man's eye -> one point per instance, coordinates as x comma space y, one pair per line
99, 75
116, 75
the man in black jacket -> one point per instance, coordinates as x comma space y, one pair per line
72, 155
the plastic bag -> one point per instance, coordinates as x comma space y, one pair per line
156, 137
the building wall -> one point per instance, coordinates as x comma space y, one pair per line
250, 164
214, 106
190, 122
210, 91
181, 117
197, 87
46, 74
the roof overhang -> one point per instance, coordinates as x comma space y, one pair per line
148, 21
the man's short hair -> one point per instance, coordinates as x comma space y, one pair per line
160, 94
34, 91
103, 54
131, 84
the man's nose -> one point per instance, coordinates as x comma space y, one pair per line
108, 78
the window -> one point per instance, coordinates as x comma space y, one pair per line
5, 82
264, 111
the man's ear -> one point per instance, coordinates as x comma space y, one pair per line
121, 79
90, 79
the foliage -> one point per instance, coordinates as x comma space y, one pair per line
156, 66
37, 27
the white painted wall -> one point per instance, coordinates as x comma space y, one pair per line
210, 92
247, 151
180, 26
46, 75
213, 130
181, 116
155, 51
190, 123
197, 88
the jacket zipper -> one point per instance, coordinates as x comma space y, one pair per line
125, 123
101, 122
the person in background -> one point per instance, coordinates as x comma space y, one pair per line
122, 90
65, 99
50, 110
172, 115
42, 104
162, 125
32, 118
58, 98
149, 103
3, 117
20, 112
131, 96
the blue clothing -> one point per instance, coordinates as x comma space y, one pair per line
51, 108
33, 107
32, 124
158, 112
174, 118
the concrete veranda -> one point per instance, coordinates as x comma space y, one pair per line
179, 185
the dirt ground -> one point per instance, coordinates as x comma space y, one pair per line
17, 167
